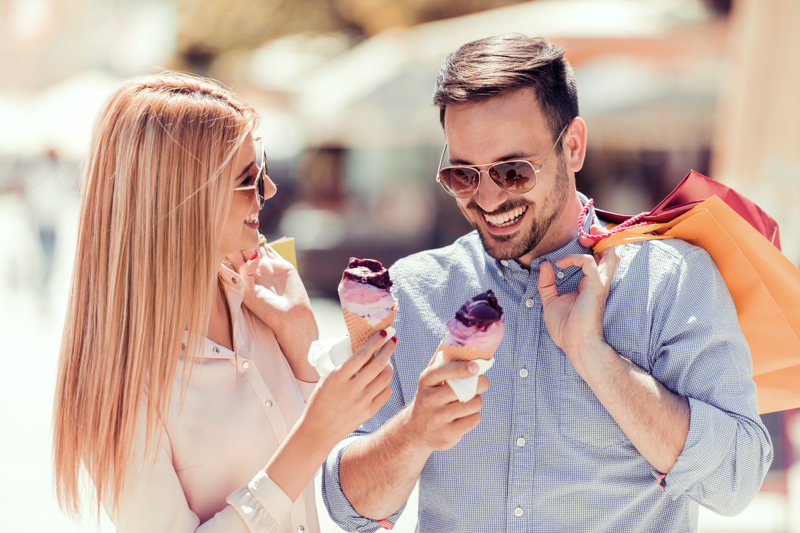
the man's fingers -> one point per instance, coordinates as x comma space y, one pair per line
483, 384
607, 263
436, 374
596, 229
547, 282
585, 262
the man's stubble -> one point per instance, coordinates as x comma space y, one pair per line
516, 245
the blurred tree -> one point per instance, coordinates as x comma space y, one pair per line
210, 27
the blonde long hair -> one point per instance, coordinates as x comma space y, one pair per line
156, 194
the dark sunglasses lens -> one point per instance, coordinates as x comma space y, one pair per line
459, 181
516, 176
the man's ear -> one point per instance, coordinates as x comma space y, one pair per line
573, 144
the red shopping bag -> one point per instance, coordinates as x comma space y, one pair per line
765, 286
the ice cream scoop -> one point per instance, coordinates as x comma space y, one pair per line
366, 297
476, 331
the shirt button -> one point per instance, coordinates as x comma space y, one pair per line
234, 279
518, 511
216, 350
520, 442
523, 373
246, 365
269, 403
499, 273
529, 303
504, 263
301, 529
560, 275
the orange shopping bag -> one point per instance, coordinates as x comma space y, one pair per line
764, 284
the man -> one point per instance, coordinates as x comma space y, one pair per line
621, 395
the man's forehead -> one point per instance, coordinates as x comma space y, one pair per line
495, 128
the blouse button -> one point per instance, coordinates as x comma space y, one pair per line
529, 303
301, 529
560, 275
234, 279
216, 350
523, 373
246, 365
518, 512
269, 403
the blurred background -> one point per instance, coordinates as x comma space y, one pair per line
344, 90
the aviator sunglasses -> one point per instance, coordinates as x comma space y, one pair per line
261, 177
516, 176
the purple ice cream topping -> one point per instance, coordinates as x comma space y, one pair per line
480, 311
368, 271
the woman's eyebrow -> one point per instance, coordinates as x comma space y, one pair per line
246, 169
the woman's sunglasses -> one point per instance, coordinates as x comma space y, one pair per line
517, 176
261, 177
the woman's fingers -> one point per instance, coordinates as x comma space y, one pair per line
375, 366
362, 355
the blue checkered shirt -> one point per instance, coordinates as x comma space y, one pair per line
547, 456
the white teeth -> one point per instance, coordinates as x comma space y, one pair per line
251, 220
506, 219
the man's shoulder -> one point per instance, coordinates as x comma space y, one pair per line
429, 268
663, 259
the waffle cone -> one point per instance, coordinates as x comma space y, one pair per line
463, 353
360, 330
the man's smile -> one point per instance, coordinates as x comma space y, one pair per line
509, 218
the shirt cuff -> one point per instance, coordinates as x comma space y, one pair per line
261, 495
339, 507
711, 435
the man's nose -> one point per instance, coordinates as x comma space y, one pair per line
489, 195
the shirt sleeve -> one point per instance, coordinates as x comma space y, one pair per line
152, 500
700, 353
306, 388
337, 504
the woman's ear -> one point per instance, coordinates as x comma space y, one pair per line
573, 144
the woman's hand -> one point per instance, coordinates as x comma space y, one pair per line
353, 392
275, 293
342, 401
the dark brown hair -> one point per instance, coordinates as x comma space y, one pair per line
496, 66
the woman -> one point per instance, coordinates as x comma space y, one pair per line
181, 381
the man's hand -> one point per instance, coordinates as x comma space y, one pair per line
438, 419
275, 293
575, 320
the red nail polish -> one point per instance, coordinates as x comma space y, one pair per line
394, 339
383, 333
254, 256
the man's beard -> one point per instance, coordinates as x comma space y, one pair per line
520, 243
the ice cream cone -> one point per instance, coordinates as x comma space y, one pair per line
463, 353
360, 330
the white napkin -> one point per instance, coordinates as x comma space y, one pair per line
326, 354
465, 388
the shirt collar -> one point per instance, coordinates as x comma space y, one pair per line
234, 289
573, 247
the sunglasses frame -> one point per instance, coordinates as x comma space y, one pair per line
479, 169
262, 173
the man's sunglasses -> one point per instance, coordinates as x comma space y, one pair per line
517, 176
261, 177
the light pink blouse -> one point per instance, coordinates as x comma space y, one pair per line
208, 474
